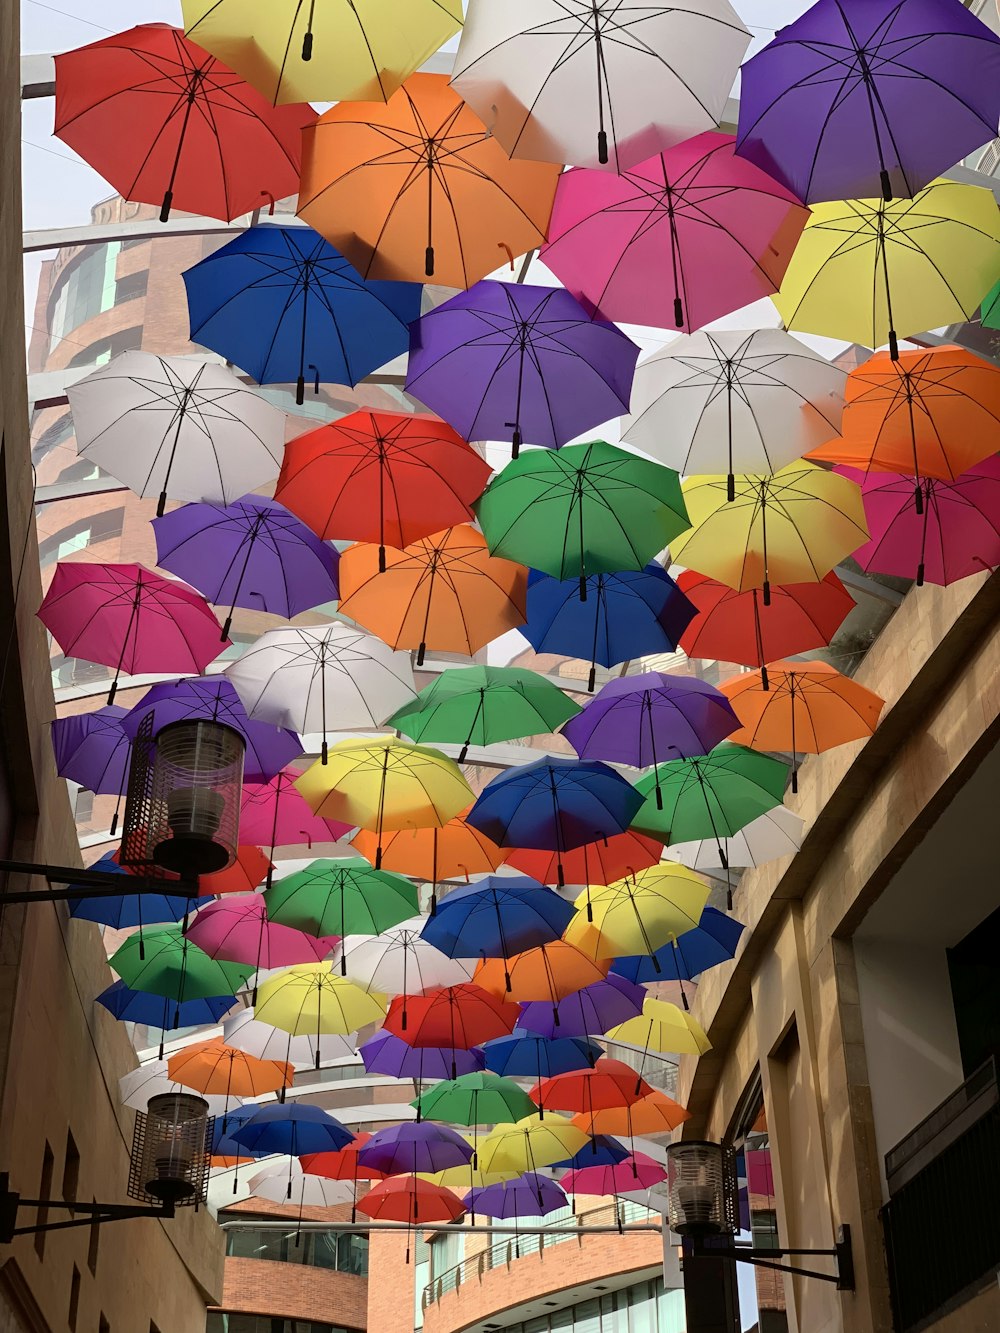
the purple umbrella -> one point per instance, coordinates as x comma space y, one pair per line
391, 1056
861, 98
530, 1195
269, 748
591, 1011
420, 1146
252, 553
504, 360
93, 750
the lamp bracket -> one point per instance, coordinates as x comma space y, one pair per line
82, 883
764, 1258
90, 1214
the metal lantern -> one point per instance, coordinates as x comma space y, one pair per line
171, 1151
701, 1188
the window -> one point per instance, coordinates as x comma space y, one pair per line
220, 1321
71, 1169
83, 807
761, 1290
74, 1297
58, 433
131, 286
85, 288
44, 1192
80, 534
100, 353
316, 1249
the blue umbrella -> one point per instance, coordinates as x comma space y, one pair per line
279, 301
602, 1150
293, 1128
624, 616
223, 1127
497, 917
121, 911
555, 804
711, 942
156, 1011
530, 1055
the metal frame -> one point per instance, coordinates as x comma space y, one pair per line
91, 1214
95, 883
764, 1258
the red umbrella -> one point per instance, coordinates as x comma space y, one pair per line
245, 874
459, 1017
343, 1165
411, 1200
611, 1083
166, 123
600, 862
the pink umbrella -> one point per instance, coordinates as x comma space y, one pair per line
236, 930
130, 618
957, 534
635, 1172
273, 814
679, 240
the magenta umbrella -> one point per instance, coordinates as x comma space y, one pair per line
273, 814
957, 534
130, 618
638, 1171
235, 929
679, 240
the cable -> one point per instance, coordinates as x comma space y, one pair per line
67, 15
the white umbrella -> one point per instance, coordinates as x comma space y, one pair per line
728, 402
598, 82
249, 1034
149, 1080
399, 961
332, 678
284, 1181
776, 833
176, 427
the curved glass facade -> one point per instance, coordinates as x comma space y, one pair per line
340, 1253
645, 1307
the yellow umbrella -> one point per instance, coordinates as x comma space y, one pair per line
529, 1144
466, 1177
792, 527
872, 271
310, 1000
337, 50
385, 783
638, 914
662, 1027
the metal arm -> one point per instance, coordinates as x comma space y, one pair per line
91, 1213
764, 1258
84, 883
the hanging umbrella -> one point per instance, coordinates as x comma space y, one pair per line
653, 1114
395, 1058
443, 592
168, 964
774, 834
157, 1011
247, 1033
245, 874
526, 1054
220, 1139
528, 1195
638, 914
91, 749
733, 626
637, 1171
342, 1164
497, 917
121, 911
609, 1083
628, 614
405, 1148
240, 931
283, 1181
320, 678
310, 1000
294, 1128
386, 477
530, 1144
869, 97
346, 894
136, 1088
268, 749
283, 304
555, 804
585, 509
530, 364
274, 814
792, 527
129, 618
481, 704
420, 188
179, 428
713, 941
599, 84
591, 1011
810, 707
676, 241
547, 972
456, 848
734, 402
165, 123
212, 1066
953, 533
454, 1016
597, 862
662, 1027
398, 960
412, 1200
600, 1150
475, 1099
873, 272
251, 553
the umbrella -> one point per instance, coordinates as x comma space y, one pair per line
555, 804
420, 188
293, 1128
592, 1010
91, 749
529, 364
342, 1164
608, 1083
411, 1200
268, 749
640, 913
662, 1027
528, 1195
475, 1099
774, 834
311, 678
869, 97
597, 862
497, 917
398, 960
395, 1058
136, 1088
405, 1148
243, 876
251, 553
386, 477
361, 51
526, 1054
872, 272
273, 813
166, 123
637, 1171
631, 613
656, 1113
792, 527
284, 1182
345, 893
239, 930
547, 972
121, 911
600, 1150
599, 84
175, 427
456, 848
129, 618
633, 719
733, 402
733, 626
713, 941
481, 704
385, 783
676, 241
585, 509
530, 1144
310, 1000
212, 1066
157, 1011
459, 1017
810, 707
166, 963
443, 592
221, 1129
247, 1033
281, 302
955, 531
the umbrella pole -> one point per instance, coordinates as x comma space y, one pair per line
133, 616
795, 771
422, 648
381, 809
480, 708
325, 751
429, 252
647, 704
434, 871
923, 535
583, 560
300, 384
252, 536
763, 540
880, 243
730, 476
758, 634
516, 440
191, 95
918, 494
161, 503
538, 1058
602, 137
681, 968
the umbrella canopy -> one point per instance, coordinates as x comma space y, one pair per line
497, 917
404, 1148
139, 1085
212, 1066
529, 364
662, 1027
713, 940
603, 84
628, 614
247, 1033
157, 1011
792, 527
344, 893
872, 272
600, 1150
239, 930
283, 304
93, 750
251, 553
475, 1099
164, 962
638, 914
676, 241
869, 97
608, 1083
637, 1171
773, 834
654, 1114
293, 1128
454, 1016
399, 960
585, 509
528, 1195
456, 848
386, 477
548, 972
284, 1181
243, 876
597, 862
130, 909
412, 1200
395, 1058
443, 592
482, 704
530, 1144
166, 123
591, 1011
357, 51
344, 1164
176, 427
420, 188
310, 1000
526, 1054
129, 618
274, 814
220, 1140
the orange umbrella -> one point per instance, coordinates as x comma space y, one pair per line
247, 873
219, 1162
656, 1113
445, 592
600, 862
213, 1067
807, 707
419, 188
549, 972
456, 848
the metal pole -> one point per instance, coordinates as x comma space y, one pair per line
491, 1229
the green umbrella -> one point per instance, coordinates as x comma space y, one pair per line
584, 509
990, 310
482, 704
164, 962
475, 1099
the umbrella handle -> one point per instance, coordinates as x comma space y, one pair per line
764, 681
168, 199
307, 46
592, 678
602, 147
266, 194
886, 184
502, 245
314, 369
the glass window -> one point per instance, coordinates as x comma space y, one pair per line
316, 1249
85, 288
221, 1321
761, 1290
84, 532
